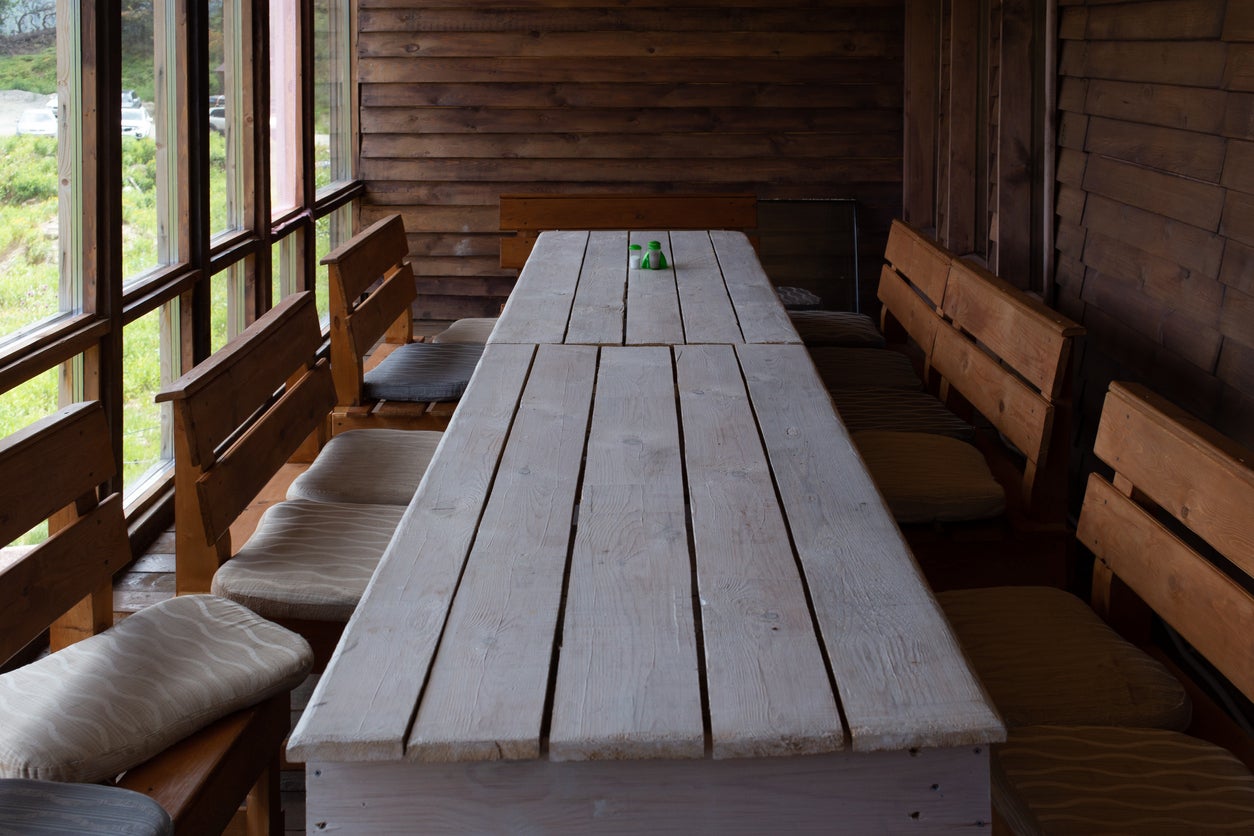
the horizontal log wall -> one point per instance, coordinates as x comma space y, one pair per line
1155, 201
462, 102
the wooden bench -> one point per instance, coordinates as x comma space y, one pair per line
238, 418
1001, 361
189, 698
1172, 535
413, 385
527, 215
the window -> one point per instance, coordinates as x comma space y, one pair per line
148, 363
333, 93
285, 148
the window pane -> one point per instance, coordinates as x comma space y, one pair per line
36, 142
333, 159
226, 117
285, 267
148, 362
284, 97
332, 230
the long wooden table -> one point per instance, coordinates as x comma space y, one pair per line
646, 583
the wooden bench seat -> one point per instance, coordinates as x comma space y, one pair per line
1172, 535
187, 700
1000, 360
237, 419
415, 385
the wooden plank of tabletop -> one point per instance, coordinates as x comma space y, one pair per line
769, 690
362, 707
652, 302
538, 308
902, 678
600, 302
485, 698
762, 316
627, 681
707, 309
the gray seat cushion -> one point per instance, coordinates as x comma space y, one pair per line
49, 808
474, 331
420, 372
900, 410
309, 560
112, 701
1066, 780
845, 328
1046, 658
928, 478
798, 298
370, 467
863, 368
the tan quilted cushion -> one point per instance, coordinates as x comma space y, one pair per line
112, 701
1095, 780
859, 368
930, 478
836, 328
309, 560
371, 467
1047, 659
472, 330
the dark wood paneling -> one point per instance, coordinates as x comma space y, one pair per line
463, 102
1165, 179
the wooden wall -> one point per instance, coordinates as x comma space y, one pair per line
462, 102
974, 135
1155, 201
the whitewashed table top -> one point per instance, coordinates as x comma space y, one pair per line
576, 288
644, 551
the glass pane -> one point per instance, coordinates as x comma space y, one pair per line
148, 362
285, 267
139, 150
284, 97
219, 315
333, 158
332, 230
34, 133
226, 210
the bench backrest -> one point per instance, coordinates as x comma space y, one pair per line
53, 469
1005, 355
372, 292
528, 215
1171, 471
238, 418
912, 285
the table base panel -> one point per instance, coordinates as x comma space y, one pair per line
858, 793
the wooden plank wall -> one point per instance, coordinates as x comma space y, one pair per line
463, 101
1155, 201
973, 142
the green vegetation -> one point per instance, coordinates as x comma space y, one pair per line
35, 72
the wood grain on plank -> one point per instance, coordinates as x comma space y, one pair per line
707, 310
597, 315
653, 312
539, 308
762, 317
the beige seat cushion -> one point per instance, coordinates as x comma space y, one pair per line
308, 560
901, 410
1095, 780
836, 328
860, 368
112, 701
370, 467
1046, 659
930, 478
474, 330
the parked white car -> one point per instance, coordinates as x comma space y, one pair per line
37, 121
136, 122
217, 119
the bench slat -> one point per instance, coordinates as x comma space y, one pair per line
922, 261
1012, 406
364, 258
243, 470
66, 454
377, 313
219, 395
1215, 615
